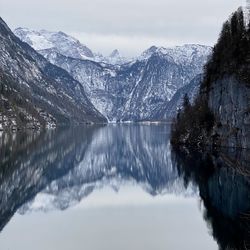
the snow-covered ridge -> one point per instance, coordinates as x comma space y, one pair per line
123, 89
65, 44
47, 95
185, 54
71, 47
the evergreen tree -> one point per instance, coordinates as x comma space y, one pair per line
186, 103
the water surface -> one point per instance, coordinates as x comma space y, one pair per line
119, 187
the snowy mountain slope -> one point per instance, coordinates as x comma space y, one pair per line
188, 54
65, 44
138, 89
169, 109
35, 92
134, 91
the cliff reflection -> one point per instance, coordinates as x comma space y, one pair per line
223, 179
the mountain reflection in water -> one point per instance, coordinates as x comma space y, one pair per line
58, 169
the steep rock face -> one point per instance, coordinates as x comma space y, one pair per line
35, 92
229, 100
169, 109
158, 81
135, 90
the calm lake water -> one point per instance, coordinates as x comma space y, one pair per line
120, 187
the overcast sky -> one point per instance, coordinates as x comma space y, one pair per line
128, 25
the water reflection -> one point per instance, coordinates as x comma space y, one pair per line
67, 165
30, 161
224, 184
58, 169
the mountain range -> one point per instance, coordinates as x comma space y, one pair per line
36, 93
51, 78
122, 89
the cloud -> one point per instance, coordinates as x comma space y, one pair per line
130, 25
127, 45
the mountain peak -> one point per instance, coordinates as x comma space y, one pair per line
115, 53
65, 44
150, 51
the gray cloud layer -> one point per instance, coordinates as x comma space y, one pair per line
129, 25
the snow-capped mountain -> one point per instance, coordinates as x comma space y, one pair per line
188, 54
36, 93
63, 43
131, 90
49, 42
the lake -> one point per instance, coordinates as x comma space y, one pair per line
120, 187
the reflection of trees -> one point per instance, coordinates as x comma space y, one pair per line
224, 186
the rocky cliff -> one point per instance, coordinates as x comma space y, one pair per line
220, 115
229, 100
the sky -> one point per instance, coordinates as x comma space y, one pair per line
130, 26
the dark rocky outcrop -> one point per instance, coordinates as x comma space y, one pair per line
220, 115
229, 101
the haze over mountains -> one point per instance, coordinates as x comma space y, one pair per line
122, 89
